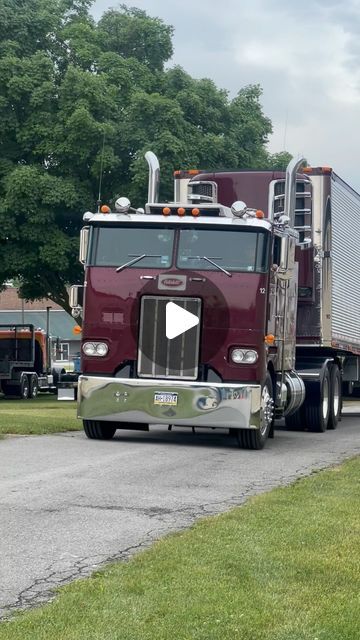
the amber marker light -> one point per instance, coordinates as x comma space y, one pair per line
77, 330
181, 211
317, 170
195, 212
166, 211
270, 339
105, 209
259, 214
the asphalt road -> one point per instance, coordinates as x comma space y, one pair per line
68, 504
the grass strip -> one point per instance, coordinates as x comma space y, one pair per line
44, 414
285, 566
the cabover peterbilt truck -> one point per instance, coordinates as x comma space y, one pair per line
267, 265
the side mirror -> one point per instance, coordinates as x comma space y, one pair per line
76, 297
84, 242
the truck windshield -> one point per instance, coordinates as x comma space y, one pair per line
112, 247
233, 250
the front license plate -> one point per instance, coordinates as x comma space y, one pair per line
168, 399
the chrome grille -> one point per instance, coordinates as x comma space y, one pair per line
303, 206
202, 191
159, 357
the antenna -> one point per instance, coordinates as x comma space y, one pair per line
285, 129
101, 172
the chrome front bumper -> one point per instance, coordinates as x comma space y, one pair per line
199, 404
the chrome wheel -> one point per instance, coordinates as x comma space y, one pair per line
335, 390
336, 396
325, 398
256, 438
266, 410
24, 388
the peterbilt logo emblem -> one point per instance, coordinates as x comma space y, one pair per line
172, 282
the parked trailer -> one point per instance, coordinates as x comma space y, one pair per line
24, 367
267, 262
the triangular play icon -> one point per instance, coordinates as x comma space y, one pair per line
178, 320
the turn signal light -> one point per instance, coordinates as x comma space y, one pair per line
270, 339
105, 209
76, 330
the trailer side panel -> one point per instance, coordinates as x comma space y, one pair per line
345, 258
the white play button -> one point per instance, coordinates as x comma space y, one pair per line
178, 320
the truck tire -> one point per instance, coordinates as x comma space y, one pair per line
34, 386
296, 421
24, 389
255, 438
10, 390
335, 397
97, 430
316, 406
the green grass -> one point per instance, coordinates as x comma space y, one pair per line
44, 414
285, 566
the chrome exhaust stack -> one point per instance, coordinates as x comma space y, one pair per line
154, 176
290, 188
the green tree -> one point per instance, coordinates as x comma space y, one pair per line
79, 98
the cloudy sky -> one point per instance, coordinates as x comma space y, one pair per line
306, 56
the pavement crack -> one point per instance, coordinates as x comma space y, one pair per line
43, 589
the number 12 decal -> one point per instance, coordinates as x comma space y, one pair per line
262, 290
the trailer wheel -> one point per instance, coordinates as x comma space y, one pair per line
34, 386
24, 388
317, 404
96, 430
256, 438
335, 397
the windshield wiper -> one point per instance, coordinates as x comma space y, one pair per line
211, 261
136, 259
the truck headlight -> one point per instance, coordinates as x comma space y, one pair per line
99, 349
243, 356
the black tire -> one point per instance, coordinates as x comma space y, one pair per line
10, 390
296, 421
24, 389
34, 386
316, 406
255, 438
96, 430
335, 397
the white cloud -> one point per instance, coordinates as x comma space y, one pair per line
305, 56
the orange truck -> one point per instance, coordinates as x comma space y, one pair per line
25, 362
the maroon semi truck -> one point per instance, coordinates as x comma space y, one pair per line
235, 305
